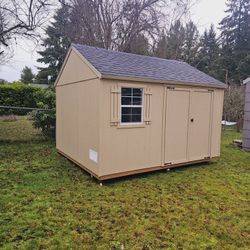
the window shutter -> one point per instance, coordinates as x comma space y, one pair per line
147, 105
115, 104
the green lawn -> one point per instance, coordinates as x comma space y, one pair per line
47, 202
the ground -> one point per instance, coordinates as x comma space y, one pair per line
48, 202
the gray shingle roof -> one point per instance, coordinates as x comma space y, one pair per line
121, 64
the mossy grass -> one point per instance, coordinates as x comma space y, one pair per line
46, 202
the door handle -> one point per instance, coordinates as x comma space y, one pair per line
192, 119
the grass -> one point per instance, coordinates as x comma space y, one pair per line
47, 202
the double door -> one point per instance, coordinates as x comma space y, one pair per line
187, 124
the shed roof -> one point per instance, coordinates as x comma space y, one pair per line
114, 64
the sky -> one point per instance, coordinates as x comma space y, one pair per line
204, 13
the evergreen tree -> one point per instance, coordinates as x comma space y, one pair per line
161, 46
139, 45
208, 55
170, 45
56, 45
175, 41
191, 43
26, 75
181, 43
235, 38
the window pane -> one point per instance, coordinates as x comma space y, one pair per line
137, 101
126, 91
126, 101
136, 111
136, 118
126, 118
126, 111
137, 92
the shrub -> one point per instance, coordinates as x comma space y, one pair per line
17, 95
45, 119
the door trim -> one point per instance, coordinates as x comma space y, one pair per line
166, 91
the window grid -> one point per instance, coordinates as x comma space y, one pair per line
132, 113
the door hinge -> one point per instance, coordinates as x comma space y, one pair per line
168, 163
168, 87
210, 90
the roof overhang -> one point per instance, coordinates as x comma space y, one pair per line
170, 82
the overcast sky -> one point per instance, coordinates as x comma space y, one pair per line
204, 14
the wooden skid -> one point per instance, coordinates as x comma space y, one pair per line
138, 171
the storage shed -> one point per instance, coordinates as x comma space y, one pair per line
120, 114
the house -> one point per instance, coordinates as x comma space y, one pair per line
120, 114
246, 125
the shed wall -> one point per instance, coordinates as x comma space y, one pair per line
78, 121
246, 126
75, 70
133, 148
127, 149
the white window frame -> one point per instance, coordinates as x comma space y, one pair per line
132, 106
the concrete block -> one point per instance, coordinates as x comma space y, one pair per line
247, 106
248, 87
246, 144
246, 134
247, 116
246, 125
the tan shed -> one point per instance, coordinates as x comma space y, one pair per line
120, 114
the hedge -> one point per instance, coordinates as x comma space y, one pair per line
19, 95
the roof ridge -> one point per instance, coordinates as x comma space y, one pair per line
127, 53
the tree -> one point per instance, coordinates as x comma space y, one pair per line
191, 43
179, 43
27, 76
20, 18
130, 25
235, 37
56, 44
174, 41
208, 55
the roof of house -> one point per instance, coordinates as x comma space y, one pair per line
112, 64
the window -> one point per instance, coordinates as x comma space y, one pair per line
131, 105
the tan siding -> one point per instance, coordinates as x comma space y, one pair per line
75, 70
78, 121
126, 149
133, 148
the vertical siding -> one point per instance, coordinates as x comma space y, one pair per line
78, 121
75, 70
246, 126
127, 149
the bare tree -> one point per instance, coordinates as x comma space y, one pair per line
117, 24
21, 18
